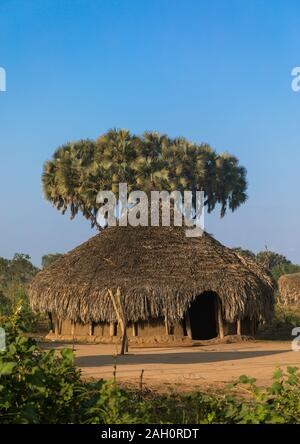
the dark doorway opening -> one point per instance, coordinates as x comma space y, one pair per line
202, 315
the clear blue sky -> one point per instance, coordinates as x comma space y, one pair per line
213, 71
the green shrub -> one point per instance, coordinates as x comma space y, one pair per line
277, 404
39, 386
36, 386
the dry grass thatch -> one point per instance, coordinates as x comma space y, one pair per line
289, 288
159, 271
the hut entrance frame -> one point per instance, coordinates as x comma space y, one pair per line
203, 319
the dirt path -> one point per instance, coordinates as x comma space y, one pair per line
188, 366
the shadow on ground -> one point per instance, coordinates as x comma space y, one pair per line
172, 358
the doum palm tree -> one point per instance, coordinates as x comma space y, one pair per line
78, 171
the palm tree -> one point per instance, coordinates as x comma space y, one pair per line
78, 171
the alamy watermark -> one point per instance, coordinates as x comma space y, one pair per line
2, 79
2, 339
296, 341
296, 79
136, 209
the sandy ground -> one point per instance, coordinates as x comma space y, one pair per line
186, 367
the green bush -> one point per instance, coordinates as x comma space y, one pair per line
277, 404
39, 386
36, 386
15, 276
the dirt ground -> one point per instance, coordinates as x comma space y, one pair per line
186, 367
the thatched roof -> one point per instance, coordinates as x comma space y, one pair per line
289, 288
159, 271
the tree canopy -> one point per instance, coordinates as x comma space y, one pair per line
15, 274
19, 270
48, 259
79, 170
276, 263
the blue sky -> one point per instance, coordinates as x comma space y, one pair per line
212, 71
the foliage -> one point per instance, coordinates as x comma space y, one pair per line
246, 253
48, 259
35, 386
270, 259
287, 316
276, 263
281, 269
78, 171
45, 387
15, 276
111, 404
277, 404
282, 324
18, 269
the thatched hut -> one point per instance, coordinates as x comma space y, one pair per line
171, 285
289, 288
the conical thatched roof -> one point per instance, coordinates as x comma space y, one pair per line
159, 271
289, 288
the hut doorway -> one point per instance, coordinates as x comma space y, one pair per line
202, 316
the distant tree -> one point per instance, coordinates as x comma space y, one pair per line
48, 259
19, 269
15, 276
276, 263
281, 269
247, 253
5, 304
79, 170
270, 259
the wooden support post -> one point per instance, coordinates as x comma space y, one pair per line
134, 329
112, 329
73, 328
91, 329
188, 325
220, 320
120, 313
238, 327
59, 325
124, 343
124, 347
167, 327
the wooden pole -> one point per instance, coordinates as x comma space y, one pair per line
72, 328
124, 343
120, 313
188, 325
56, 326
112, 329
134, 329
220, 320
238, 327
167, 326
124, 347
91, 329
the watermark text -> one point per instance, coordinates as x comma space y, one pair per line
137, 209
2, 79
